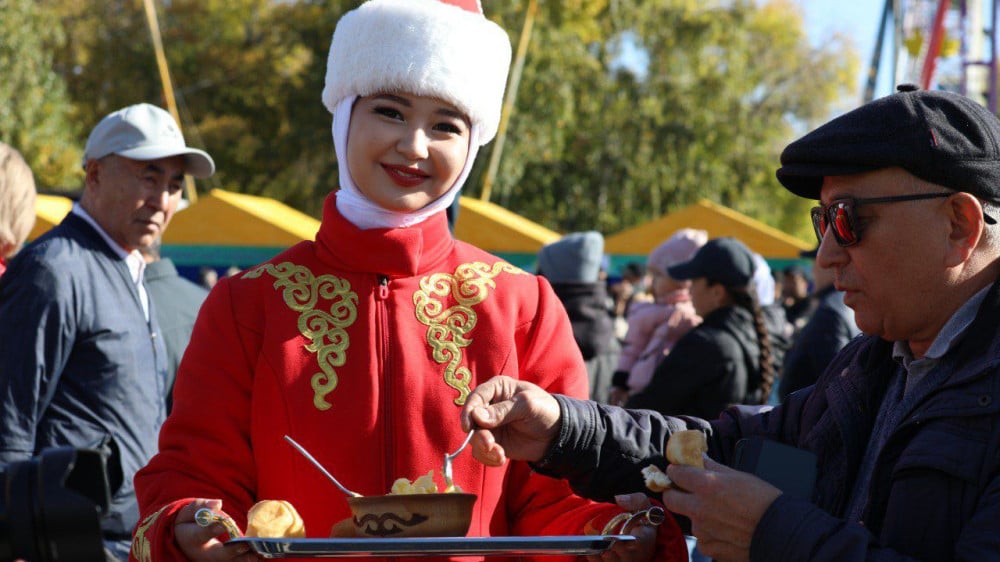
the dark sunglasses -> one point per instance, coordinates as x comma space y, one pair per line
840, 214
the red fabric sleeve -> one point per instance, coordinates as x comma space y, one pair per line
179, 472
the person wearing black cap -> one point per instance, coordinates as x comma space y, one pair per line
724, 360
904, 422
830, 327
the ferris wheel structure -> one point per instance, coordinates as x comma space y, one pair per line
939, 44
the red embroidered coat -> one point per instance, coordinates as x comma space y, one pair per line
361, 346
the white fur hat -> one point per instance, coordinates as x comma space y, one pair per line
446, 49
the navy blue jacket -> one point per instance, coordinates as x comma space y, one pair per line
828, 330
935, 487
79, 364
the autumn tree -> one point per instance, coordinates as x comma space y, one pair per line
720, 90
627, 109
35, 111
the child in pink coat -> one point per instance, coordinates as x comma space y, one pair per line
654, 327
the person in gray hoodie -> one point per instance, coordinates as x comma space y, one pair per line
572, 265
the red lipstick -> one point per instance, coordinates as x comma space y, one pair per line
404, 176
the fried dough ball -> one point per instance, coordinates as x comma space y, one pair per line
656, 479
274, 519
686, 448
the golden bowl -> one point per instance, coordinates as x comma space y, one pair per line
412, 515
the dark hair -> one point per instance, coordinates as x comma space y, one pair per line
746, 298
633, 269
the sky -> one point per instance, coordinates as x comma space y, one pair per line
857, 19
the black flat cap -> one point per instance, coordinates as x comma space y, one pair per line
940, 137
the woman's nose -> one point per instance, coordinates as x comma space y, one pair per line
414, 144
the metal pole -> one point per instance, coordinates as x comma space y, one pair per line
508, 104
869, 94
993, 60
168, 88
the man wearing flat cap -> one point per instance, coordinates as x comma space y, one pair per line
82, 362
904, 423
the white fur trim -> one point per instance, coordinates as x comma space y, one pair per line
422, 47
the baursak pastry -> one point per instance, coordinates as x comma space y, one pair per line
274, 519
687, 447
683, 448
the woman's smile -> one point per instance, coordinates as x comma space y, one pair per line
405, 176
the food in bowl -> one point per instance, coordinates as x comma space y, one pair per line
274, 519
423, 485
412, 509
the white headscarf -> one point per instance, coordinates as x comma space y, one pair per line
365, 213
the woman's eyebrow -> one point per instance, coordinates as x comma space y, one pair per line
394, 98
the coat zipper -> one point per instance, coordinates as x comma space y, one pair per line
382, 314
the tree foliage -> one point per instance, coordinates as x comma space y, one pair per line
597, 140
35, 111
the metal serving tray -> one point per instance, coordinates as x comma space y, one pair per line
431, 546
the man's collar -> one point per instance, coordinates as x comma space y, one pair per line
79, 211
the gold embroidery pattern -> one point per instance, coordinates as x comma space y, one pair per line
326, 331
141, 549
448, 328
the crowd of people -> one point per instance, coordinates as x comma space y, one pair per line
383, 342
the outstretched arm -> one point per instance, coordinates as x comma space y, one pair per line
517, 420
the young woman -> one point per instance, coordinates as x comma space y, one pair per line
727, 358
655, 327
363, 344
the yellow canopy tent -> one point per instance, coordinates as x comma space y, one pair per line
718, 221
235, 219
501, 232
225, 228
495, 229
50, 210
776, 246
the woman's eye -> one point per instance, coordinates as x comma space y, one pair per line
448, 128
389, 112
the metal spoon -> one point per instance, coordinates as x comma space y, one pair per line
446, 471
315, 463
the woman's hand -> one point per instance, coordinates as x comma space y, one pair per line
200, 544
644, 545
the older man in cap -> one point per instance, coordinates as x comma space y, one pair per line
905, 422
82, 363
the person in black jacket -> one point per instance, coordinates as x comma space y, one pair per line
828, 330
725, 359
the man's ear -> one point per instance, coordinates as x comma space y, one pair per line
967, 224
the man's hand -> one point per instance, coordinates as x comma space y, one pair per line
199, 543
724, 506
517, 420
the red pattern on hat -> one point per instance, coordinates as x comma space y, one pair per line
469, 5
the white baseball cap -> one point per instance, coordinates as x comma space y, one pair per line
145, 132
